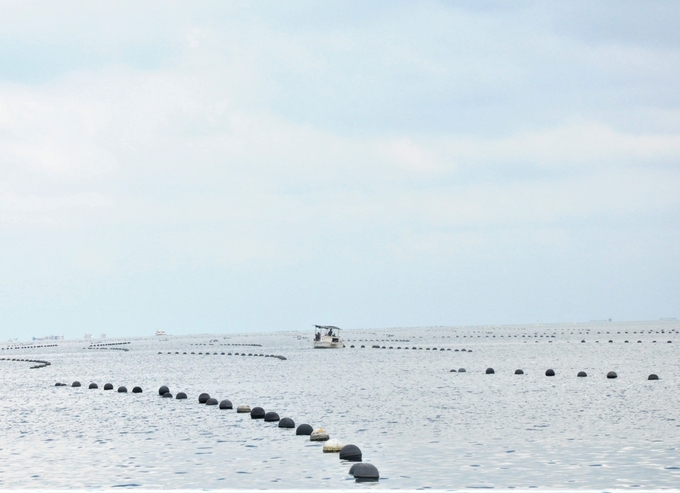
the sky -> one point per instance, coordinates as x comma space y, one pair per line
229, 167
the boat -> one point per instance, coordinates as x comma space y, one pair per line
160, 333
327, 337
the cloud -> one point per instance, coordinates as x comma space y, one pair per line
397, 143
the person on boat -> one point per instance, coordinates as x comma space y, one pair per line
317, 337
330, 332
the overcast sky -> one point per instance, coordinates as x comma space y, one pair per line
250, 166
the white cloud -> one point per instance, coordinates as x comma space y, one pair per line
416, 135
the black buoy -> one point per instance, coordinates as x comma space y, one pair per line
57, 384
93, 386
136, 390
550, 373
75, 384
582, 374
351, 453
653, 377
211, 402
612, 374
304, 429
489, 371
226, 404
271, 417
452, 371
519, 372
108, 386
286, 423
167, 395
203, 398
122, 389
163, 390
257, 413
181, 395
365, 472
461, 370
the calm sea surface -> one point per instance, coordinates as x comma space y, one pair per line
420, 424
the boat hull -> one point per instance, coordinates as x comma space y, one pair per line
328, 344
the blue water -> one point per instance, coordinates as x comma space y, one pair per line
421, 425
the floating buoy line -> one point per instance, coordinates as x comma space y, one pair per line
208, 353
361, 471
41, 363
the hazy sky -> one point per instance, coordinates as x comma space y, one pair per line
242, 166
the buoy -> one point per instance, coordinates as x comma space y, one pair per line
319, 435
108, 386
203, 398
351, 453
137, 390
243, 409
519, 372
163, 390
332, 446
304, 429
582, 374
461, 370
167, 395
549, 373
181, 395
122, 389
211, 402
489, 371
257, 413
452, 371
653, 377
271, 417
226, 404
286, 423
56, 384
75, 384
93, 386
612, 374
365, 472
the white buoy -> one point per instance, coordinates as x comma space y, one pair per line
332, 446
318, 435
243, 409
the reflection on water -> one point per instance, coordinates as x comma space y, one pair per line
420, 424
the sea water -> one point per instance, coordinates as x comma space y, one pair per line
420, 424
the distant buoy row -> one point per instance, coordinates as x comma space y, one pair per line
348, 452
41, 363
379, 340
376, 346
282, 358
99, 344
611, 341
31, 346
110, 348
224, 344
551, 373
108, 386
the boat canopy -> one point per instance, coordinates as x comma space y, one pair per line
327, 327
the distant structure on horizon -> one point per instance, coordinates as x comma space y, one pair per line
102, 336
87, 336
49, 338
